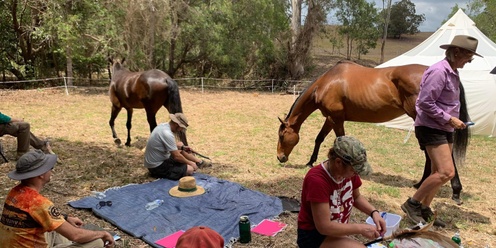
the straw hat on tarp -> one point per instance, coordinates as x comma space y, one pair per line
187, 187
200, 236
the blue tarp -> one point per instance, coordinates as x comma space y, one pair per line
219, 208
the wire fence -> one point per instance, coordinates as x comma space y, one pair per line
202, 83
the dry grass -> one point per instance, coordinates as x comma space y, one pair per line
239, 132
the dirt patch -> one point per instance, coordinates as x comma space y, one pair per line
239, 132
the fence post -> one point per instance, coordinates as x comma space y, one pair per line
65, 84
294, 91
202, 84
272, 86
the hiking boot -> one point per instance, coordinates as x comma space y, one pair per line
428, 215
204, 164
47, 149
413, 210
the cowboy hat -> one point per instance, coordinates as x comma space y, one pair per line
33, 164
180, 119
466, 42
187, 187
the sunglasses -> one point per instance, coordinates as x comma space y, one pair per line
103, 204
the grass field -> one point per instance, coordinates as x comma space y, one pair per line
239, 132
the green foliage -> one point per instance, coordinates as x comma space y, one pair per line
404, 19
484, 15
359, 25
240, 39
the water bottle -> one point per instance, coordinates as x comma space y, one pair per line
456, 238
153, 204
244, 229
98, 195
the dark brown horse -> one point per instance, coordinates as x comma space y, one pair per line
351, 92
150, 90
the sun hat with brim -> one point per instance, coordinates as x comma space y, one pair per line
466, 42
352, 152
187, 187
200, 236
33, 164
180, 119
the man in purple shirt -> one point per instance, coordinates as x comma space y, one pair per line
438, 113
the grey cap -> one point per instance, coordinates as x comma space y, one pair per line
33, 164
180, 119
353, 152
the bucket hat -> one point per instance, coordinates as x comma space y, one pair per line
353, 152
187, 187
466, 42
200, 236
180, 119
33, 164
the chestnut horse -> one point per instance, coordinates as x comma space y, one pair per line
150, 90
351, 92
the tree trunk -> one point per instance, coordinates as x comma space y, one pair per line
69, 73
386, 24
299, 46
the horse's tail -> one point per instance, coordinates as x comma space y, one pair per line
174, 104
461, 136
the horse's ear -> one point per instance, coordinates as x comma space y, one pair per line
123, 60
282, 122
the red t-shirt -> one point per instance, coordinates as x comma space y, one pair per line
26, 216
318, 186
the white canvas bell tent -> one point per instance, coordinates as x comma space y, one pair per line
479, 84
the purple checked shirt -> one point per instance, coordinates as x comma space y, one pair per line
439, 97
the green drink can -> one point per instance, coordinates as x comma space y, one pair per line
244, 229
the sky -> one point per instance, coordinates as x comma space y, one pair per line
435, 11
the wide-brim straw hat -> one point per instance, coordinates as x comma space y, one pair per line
187, 187
33, 164
180, 119
466, 42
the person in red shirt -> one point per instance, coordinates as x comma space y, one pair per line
31, 220
330, 191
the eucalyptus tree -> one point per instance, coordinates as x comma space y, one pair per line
483, 13
80, 34
404, 19
359, 25
219, 38
303, 32
21, 41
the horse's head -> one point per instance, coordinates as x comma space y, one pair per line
288, 139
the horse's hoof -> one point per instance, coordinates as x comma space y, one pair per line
117, 141
128, 144
457, 199
310, 165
